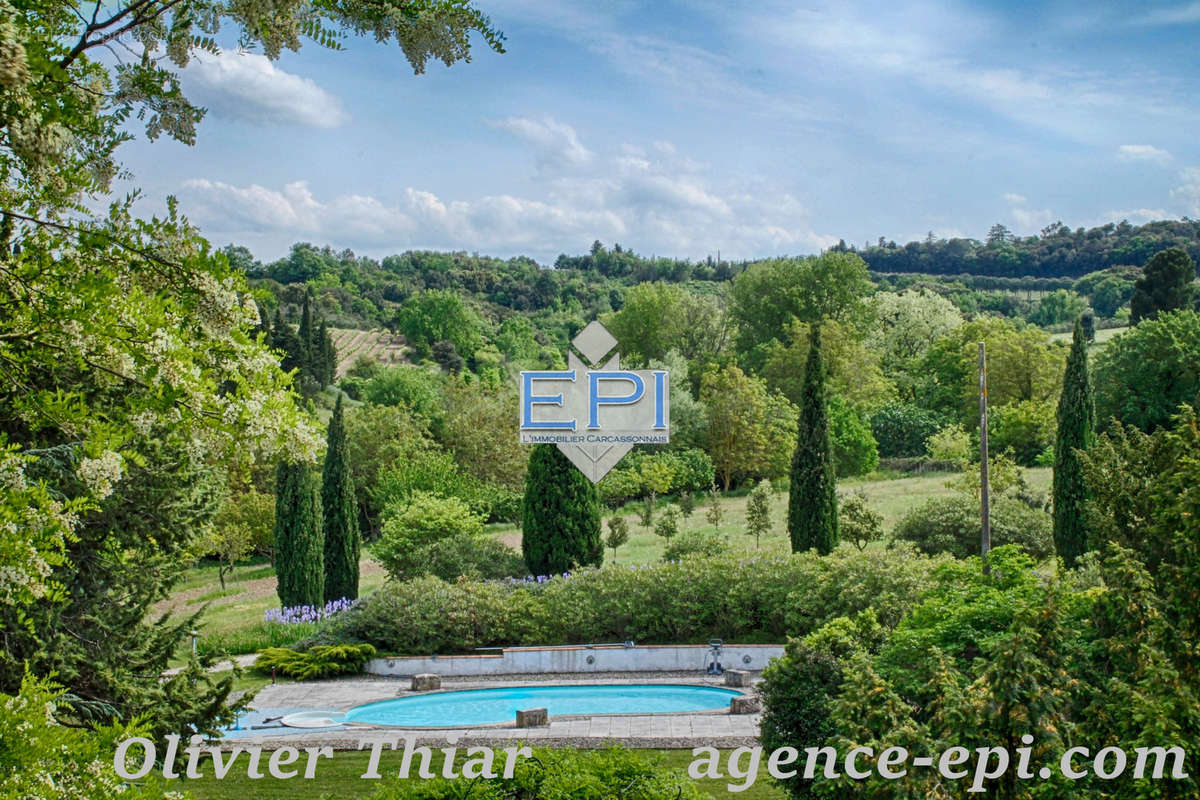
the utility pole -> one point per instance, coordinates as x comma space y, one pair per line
985, 534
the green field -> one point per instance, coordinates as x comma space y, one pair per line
340, 776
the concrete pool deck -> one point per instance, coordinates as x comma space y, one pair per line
659, 731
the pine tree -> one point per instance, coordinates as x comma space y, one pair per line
1076, 431
812, 500
343, 542
561, 525
299, 551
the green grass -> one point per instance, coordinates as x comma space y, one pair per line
340, 776
891, 498
1102, 335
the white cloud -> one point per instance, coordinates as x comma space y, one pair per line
252, 87
1179, 15
1136, 216
1188, 193
556, 144
1143, 152
1028, 220
656, 204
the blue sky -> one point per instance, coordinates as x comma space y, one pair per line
683, 128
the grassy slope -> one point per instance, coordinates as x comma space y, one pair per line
341, 776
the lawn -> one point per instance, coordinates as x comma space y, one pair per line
340, 776
891, 498
1102, 335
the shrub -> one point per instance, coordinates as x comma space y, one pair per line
474, 556
951, 443
695, 543
557, 774
322, 661
422, 521
687, 504
900, 429
952, 525
436, 472
798, 689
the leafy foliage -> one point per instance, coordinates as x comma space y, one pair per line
421, 521
42, 755
952, 525
555, 774
766, 598
749, 430
858, 523
693, 542
1146, 373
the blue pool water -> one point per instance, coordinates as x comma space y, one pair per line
489, 706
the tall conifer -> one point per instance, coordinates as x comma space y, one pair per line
299, 553
342, 540
306, 337
1076, 431
812, 498
561, 526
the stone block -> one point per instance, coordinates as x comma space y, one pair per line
738, 677
426, 682
533, 718
744, 705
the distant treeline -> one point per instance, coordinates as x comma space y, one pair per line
1058, 251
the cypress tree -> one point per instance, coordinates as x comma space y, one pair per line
1076, 431
299, 552
812, 498
284, 339
306, 338
561, 515
328, 355
340, 512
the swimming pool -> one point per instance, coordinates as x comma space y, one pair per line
492, 706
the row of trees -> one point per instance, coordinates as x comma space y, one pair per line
1056, 251
317, 538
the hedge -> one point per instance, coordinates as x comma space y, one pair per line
757, 599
